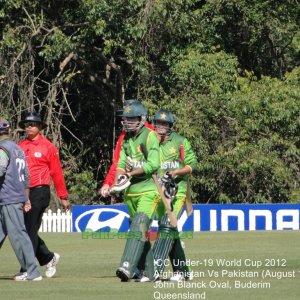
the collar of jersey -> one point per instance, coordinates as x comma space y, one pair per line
142, 130
36, 140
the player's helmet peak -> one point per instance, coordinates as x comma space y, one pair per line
135, 109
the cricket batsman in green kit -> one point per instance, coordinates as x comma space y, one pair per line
177, 162
140, 193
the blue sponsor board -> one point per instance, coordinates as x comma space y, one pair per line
206, 217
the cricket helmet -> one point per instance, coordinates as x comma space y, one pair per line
163, 122
131, 112
119, 112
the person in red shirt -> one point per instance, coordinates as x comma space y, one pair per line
44, 164
111, 174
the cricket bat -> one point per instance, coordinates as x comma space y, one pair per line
188, 198
167, 203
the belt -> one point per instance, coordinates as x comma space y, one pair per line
39, 186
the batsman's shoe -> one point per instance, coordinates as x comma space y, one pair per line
123, 274
190, 275
147, 279
51, 266
137, 274
182, 276
178, 277
20, 276
144, 279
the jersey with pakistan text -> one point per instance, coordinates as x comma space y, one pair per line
171, 159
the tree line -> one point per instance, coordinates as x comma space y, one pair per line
228, 70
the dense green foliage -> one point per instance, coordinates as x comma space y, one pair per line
229, 70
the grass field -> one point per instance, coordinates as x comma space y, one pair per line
87, 269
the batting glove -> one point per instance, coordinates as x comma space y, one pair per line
123, 183
129, 164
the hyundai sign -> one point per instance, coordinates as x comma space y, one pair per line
206, 217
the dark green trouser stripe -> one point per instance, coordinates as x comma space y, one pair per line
178, 258
164, 243
136, 243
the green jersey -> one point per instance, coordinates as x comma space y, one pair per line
131, 147
171, 158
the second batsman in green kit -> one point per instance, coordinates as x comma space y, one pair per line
178, 160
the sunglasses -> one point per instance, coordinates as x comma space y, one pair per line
31, 124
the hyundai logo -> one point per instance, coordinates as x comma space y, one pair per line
101, 218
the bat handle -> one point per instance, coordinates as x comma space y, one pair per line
181, 149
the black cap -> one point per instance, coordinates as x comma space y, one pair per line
32, 117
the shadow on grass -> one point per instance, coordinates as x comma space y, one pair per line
103, 277
6, 278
